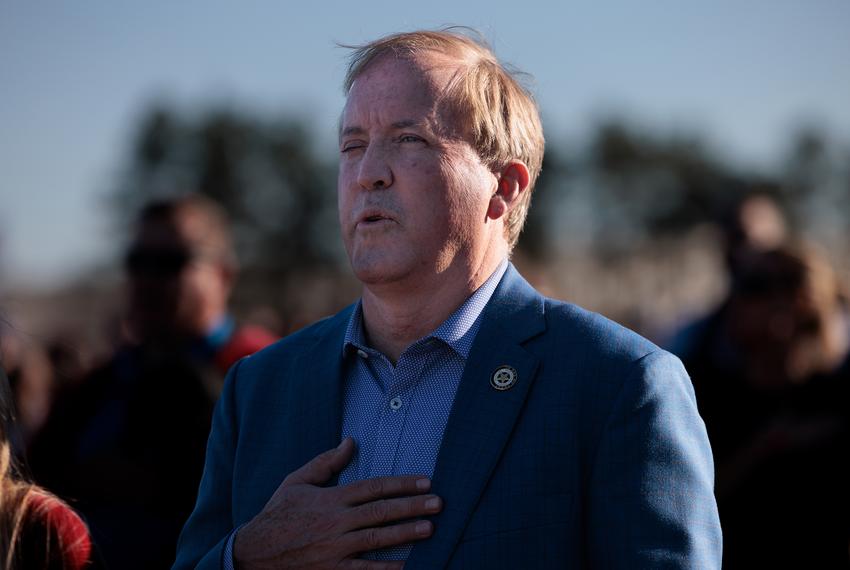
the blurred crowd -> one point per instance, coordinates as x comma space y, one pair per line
771, 373
122, 440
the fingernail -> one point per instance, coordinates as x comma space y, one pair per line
423, 484
342, 443
432, 504
423, 527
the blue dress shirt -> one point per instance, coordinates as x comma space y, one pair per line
397, 414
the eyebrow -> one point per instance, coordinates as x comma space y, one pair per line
403, 124
351, 131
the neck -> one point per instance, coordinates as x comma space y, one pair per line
394, 318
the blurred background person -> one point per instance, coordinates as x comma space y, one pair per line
37, 530
753, 223
128, 442
770, 374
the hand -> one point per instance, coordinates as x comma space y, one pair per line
307, 526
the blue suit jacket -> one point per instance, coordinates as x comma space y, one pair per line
595, 458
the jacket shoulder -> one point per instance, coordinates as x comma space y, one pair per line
595, 333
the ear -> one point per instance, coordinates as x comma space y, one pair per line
228, 271
513, 180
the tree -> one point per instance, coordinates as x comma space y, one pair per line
268, 175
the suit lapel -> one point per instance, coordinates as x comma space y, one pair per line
317, 396
482, 418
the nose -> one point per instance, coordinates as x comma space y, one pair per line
375, 172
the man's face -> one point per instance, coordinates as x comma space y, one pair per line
413, 193
177, 287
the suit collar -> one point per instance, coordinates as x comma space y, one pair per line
318, 397
482, 417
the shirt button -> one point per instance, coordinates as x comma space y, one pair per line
395, 403
362, 353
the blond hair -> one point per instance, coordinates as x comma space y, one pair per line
500, 114
14, 499
25, 540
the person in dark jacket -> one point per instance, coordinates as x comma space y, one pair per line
128, 443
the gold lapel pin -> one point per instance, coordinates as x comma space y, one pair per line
503, 378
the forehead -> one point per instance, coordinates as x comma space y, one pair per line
392, 87
184, 228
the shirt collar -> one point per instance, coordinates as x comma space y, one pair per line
221, 331
217, 336
457, 331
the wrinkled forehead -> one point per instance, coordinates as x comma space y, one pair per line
431, 67
420, 81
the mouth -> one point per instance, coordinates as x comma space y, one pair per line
371, 217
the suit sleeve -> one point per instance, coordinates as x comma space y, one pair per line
205, 534
651, 492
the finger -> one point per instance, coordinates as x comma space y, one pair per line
355, 564
322, 467
383, 487
382, 537
378, 513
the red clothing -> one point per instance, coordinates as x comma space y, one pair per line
55, 531
66, 530
245, 340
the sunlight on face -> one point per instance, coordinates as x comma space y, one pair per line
413, 193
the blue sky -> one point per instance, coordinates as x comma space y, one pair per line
75, 76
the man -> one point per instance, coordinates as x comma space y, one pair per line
181, 268
488, 425
127, 445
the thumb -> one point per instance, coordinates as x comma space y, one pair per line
321, 468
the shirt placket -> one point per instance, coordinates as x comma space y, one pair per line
399, 388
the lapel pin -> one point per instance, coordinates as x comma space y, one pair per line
504, 378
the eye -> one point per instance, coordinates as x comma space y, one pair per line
410, 138
352, 146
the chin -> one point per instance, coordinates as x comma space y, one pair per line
372, 275
373, 270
